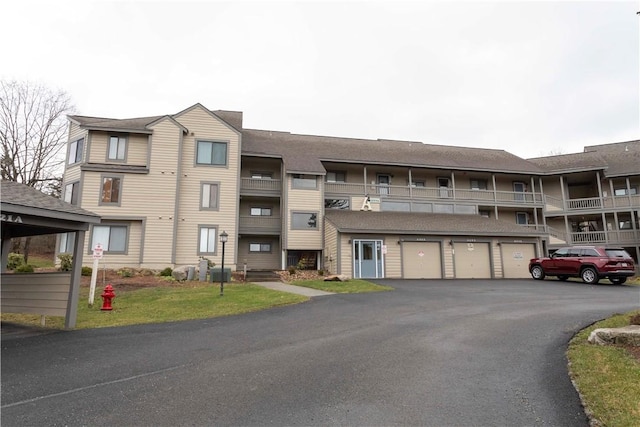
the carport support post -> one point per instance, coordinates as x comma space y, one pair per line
74, 288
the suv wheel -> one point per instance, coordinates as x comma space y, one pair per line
537, 272
618, 280
590, 276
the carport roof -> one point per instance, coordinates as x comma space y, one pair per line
423, 223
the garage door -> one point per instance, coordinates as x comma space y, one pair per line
421, 260
472, 260
515, 259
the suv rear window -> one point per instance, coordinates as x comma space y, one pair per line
617, 253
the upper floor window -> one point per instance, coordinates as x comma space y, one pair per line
111, 189
76, 149
117, 149
333, 176
210, 195
260, 211
336, 203
304, 220
71, 193
304, 181
625, 191
478, 184
211, 153
417, 183
522, 218
259, 247
261, 175
113, 238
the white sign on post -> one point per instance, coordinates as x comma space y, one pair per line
97, 256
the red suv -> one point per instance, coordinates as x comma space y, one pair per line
591, 263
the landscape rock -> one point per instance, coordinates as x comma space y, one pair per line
180, 273
336, 278
626, 335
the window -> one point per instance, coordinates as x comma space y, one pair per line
518, 188
418, 183
71, 193
625, 191
110, 190
210, 193
484, 213
333, 176
211, 153
304, 220
522, 218
113, 238
336, 203
260, 211
117, 148
207, 240
304, 181
75, 151
443, 185
261, 175
478, 184
67, 242
259, 247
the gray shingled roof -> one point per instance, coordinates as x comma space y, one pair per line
618, 159
423, 223
304, 153
17, 197
137, 124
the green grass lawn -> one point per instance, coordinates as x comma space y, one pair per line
41, 262
608, 377
351, 286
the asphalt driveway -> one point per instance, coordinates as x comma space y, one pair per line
430, 353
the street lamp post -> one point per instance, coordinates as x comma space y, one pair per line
223, 239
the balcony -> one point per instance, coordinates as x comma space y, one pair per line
554, 204
260, 187
505, 198
260, 225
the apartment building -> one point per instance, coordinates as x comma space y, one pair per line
168, 186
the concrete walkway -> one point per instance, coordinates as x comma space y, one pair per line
292, 289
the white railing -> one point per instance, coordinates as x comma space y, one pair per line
589, 237
260, 223
274, 185
589, 203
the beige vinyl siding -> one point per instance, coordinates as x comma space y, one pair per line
551, 187
330, 248
134, 246
72, 175
204, 126
393, 257
136, 148
346, 256
258, 260
304, 201
35, 293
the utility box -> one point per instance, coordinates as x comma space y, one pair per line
215, 275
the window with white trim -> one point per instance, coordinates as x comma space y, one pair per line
259, 247
625, 191
211, 153
113, 238
260, 211
117, 149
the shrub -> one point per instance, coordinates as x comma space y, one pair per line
166, 272
635, 319
24, 268
147, 272
15, 260
86, 271
320, 272
66, 262
292, 269
126, 272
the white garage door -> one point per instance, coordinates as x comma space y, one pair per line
472, 260
421, 260
515, 259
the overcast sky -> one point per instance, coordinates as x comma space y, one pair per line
532, 78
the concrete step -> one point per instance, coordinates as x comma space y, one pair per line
262, 276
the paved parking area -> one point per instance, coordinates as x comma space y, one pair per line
430, 353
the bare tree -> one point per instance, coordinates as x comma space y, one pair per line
33, 129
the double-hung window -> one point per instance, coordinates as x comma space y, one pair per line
66, 242
71, 193
76, 149
333, 176
210, 198
207, 240
111, 190
113, 238
211, 153
478, 184
117, 148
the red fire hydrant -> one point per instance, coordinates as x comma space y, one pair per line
107, 296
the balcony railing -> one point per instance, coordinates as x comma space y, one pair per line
269, 186
433, 193
554, 204
260, 224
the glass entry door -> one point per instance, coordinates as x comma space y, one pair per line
367, 259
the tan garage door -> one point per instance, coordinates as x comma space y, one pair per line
421, 260
515, 259
472, 260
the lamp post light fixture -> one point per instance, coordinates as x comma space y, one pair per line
223, 239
